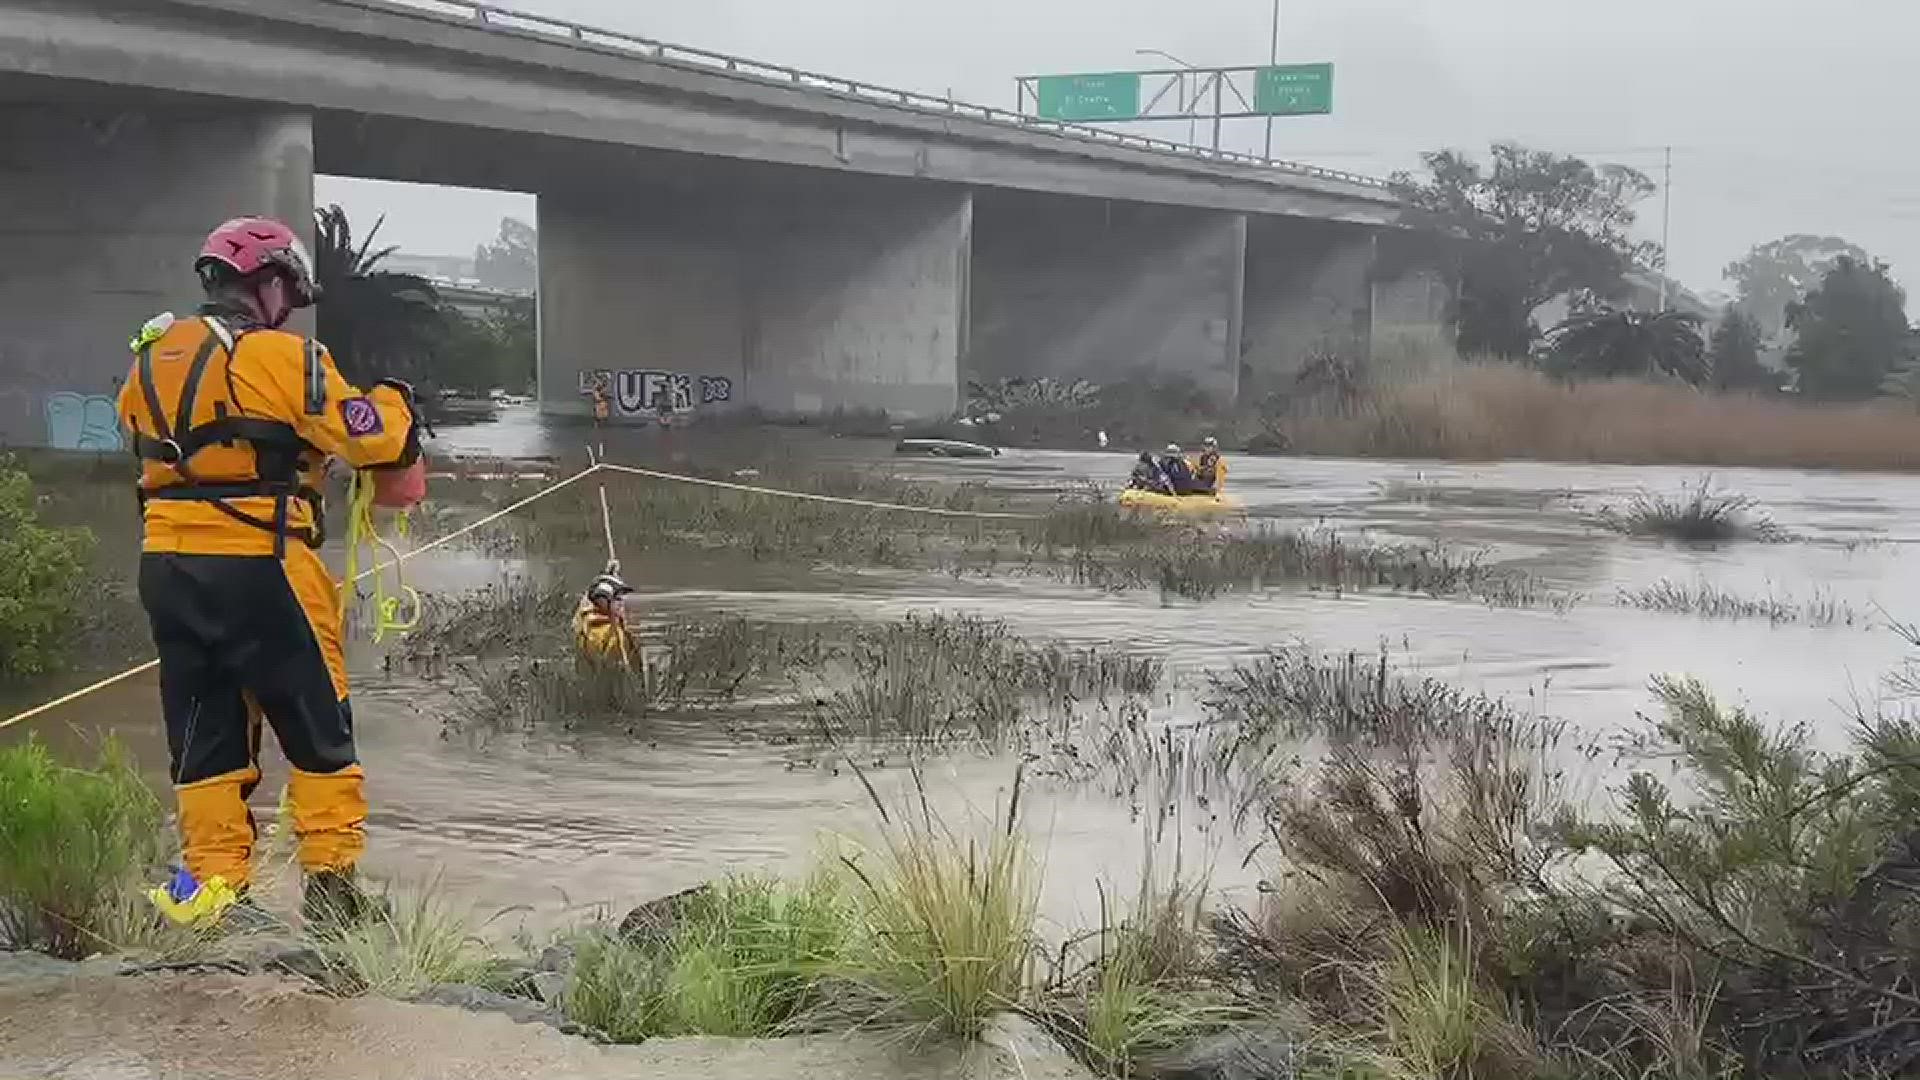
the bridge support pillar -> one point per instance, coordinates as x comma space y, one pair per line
102, 210
1307, 294
1315, 288
1107, 292
858, 300
843, 296
640, 289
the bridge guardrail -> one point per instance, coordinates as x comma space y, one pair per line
546, 28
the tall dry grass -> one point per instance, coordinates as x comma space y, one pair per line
1489, 411
947, 914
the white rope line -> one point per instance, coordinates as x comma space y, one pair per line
48, 707
606, 521
1000, 515
66, 699
480, 524
606, 525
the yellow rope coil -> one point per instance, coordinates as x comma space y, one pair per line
361, 531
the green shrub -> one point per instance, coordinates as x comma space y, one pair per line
618, 988
74, 846
40, 573
1784, 869
744, 958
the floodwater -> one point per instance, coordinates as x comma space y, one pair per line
559, 826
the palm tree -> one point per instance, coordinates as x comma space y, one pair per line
1606, 343
375, 322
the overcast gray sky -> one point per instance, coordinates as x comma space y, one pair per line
1785, 115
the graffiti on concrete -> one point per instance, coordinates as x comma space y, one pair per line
634, 392
82, 421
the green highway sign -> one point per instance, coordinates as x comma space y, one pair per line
1112, 96
1294, 90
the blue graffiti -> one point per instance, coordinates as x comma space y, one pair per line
715, 388
82, 422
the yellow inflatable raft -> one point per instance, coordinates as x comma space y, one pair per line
1137, 499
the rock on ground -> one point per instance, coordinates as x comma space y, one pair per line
82, 1022
1253, 1053
1014, 1046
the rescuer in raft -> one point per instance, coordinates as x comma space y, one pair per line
1210, 472
1179, 474
234, 420
600, 629
1147, 476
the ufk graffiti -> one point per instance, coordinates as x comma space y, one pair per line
643, 393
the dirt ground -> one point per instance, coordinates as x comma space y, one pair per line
87, 1023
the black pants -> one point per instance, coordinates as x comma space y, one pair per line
243, 638
230, 627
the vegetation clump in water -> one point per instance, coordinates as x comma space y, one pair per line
690, 663
1699, 514
1199, 567
1083, 539
928, 680
1711, 602
934, 679
511, 615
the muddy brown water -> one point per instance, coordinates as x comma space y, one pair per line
556, 826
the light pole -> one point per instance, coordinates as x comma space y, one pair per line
1185, 103
1666, 219
1273, 57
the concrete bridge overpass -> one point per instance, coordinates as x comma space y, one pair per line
732, 232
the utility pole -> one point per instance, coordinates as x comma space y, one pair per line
1273, 57
1666, 220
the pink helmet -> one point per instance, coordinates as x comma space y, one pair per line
249, 245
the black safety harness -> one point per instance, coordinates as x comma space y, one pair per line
277, 445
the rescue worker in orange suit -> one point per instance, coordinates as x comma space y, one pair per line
234, 420
1210, 471
600, 629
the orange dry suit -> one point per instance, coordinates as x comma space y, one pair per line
234, 426
1211, 471
601, 634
